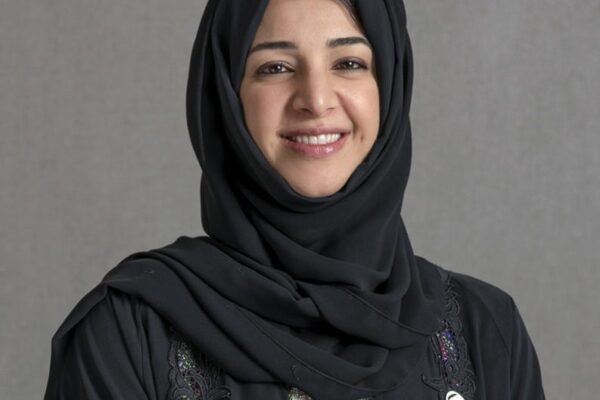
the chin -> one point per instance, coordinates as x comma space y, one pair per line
316, 190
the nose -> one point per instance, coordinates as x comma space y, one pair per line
315, 94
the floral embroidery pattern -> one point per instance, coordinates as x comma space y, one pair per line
450, 349
192, 376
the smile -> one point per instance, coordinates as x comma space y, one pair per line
317, 146
317, 139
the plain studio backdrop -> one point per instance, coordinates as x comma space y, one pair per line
95, 161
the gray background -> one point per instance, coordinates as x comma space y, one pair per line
95, 161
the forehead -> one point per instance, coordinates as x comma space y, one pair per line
305, 19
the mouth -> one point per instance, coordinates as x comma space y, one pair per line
322, 139
316, 136
316, 143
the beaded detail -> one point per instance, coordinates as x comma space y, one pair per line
192, 376
297, 394
450, 349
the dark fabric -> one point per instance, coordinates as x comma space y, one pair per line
121, 349
285, 288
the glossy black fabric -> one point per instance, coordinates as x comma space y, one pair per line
285, 289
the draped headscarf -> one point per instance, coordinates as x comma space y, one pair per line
322, 293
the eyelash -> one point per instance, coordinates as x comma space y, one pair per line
262, 70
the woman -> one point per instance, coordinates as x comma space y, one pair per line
307, 286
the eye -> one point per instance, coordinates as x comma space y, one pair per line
271, 69
351, 65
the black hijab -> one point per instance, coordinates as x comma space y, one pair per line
324, 294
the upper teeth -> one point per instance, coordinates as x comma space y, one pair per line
317, 139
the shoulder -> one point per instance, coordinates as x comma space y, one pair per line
113, 322
483, 296
501, 345
121, 322
116, 309
473, 291
106, 337
485, 310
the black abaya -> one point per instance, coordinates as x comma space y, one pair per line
121, 348
287, 291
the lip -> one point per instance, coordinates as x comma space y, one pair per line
314, 131
315, 150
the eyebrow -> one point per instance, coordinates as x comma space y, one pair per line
331, 43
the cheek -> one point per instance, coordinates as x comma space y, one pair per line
365, 105
262, 112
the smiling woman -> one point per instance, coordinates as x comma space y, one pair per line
310, 95
306, 285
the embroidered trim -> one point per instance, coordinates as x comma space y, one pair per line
450, 349
192, 376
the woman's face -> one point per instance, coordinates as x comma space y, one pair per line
309, 77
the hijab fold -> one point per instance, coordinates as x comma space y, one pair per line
325, 293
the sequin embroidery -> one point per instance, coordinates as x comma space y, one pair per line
450, 349
297, 394
446, 341
192, 376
